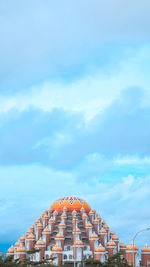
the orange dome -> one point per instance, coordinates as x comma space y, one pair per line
100, 248
59, 236
11, 250
31, 236
102, 231
56, 248
122, 245
78, 243
40, 243
115, 237
111, 243
21, 249
22, 238
71, 203
130, 247
46, 230
17, 244
112, 233
94, 235
146, 248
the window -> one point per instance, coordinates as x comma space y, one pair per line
85, 248
70, 257
68, 248
65, 257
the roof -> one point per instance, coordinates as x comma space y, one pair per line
146, 248
100, 248
111, 243
21, 249
56, 248
70, 203
131, 247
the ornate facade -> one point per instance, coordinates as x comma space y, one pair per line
71, 231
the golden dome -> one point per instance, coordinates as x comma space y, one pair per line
71, 203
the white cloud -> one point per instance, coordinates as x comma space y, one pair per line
131, 160
90, 94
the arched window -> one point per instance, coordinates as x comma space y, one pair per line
68, 247
70, 257
65, 257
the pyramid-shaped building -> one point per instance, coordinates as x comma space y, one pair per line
70, 231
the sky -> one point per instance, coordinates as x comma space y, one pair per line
75, 111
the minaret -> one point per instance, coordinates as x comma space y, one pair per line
145, 256
103, 237
30, 241
57, 254
93, 241
21, 253
40, 245
131, 253
115, 238
99, 253
123, 248
46, 236
111, 247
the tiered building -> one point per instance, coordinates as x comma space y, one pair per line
71, 231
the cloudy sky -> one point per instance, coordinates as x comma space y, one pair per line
75, 111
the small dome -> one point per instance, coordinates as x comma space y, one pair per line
94, 235
96, 221
103, 222
39, 225
46, 216
32, 227
88, 224
131, 247
123, 245
59, 236
11, 250
112, 233
102, 231
56, 248
115, 238
51, 220
31, 237
17, 244
37, 221
111, 243
85, 216
105, 226
146, 248
28, 232
61, 225
77, 230
21, 249
100, 248
91, 212
78, 243
46, 230
40, 243
82, 209
22, 238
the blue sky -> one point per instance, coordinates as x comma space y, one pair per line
75, 111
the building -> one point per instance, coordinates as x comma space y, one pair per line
71, 231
